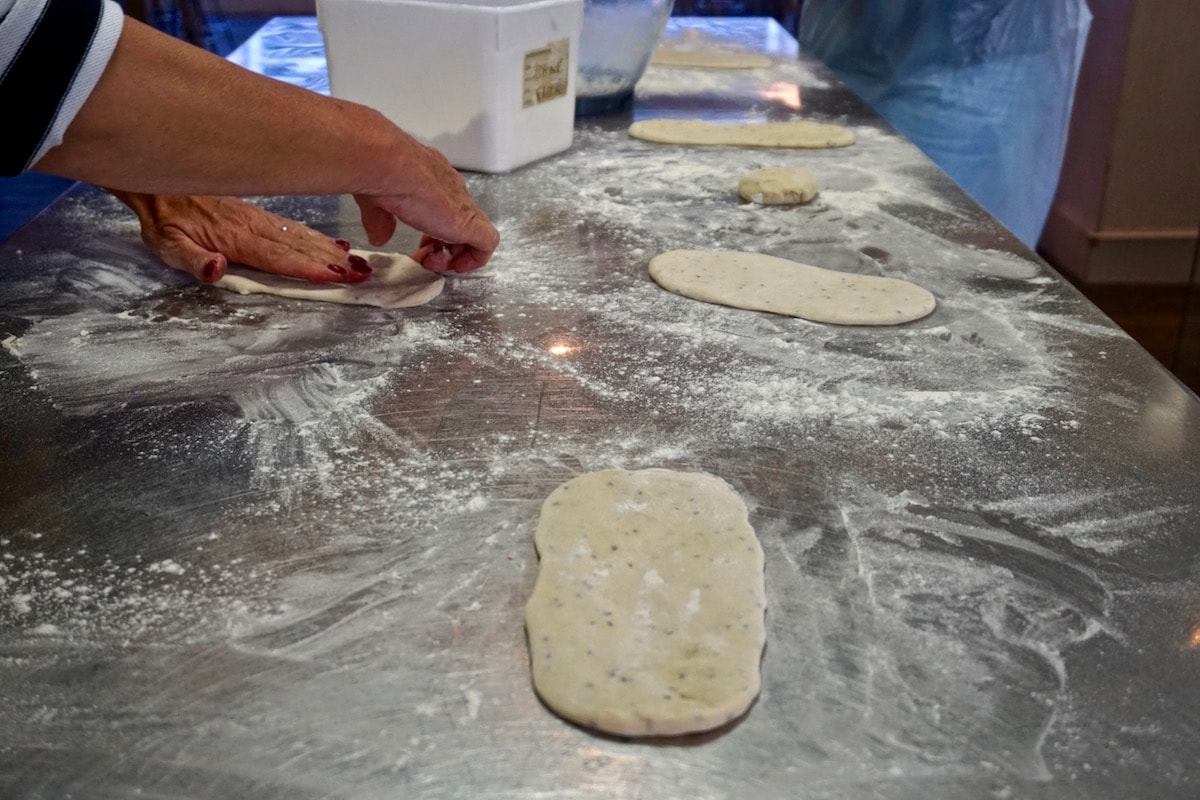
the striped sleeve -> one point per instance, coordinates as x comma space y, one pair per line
52, 53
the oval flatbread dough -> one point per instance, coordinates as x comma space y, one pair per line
766, 283
647, 615
395, 281
780, 186
710, 59
797, 133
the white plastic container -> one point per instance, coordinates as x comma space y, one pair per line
490, 83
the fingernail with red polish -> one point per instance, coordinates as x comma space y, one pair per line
359, 264
342, 243
337, 269
210, 271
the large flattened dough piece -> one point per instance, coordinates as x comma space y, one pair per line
796, 133
396, 281
647, 615
710, 58
767, 283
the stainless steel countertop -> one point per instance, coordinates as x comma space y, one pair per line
254, 548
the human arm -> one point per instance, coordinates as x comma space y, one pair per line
168, 118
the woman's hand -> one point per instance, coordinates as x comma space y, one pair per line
200, 234
457, 235
169, 124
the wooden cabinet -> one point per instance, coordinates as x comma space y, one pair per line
1128, 204
1125, 224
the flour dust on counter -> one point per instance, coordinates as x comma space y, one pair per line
647, 615
764, 283
81, 597
965, 373
968, 621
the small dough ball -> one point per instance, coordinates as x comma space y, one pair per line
782, 186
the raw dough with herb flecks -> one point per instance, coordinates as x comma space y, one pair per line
396, 281
797, 133
710, 58
766, 283
778, 186
647, 615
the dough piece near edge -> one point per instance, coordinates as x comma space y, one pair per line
797, 133
396, 281
647, 615
779, 186
710, 59
767, 283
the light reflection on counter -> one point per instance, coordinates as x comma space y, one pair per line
781, 92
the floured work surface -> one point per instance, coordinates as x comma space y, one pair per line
647, 616
766, 283
281, 550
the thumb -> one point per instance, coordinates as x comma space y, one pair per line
179, 251
378, 223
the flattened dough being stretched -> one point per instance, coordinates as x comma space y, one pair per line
396, 281
797, 133
766, 283
647, 615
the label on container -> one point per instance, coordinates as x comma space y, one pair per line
547, 71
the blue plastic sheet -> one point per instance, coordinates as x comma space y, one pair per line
983, 87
